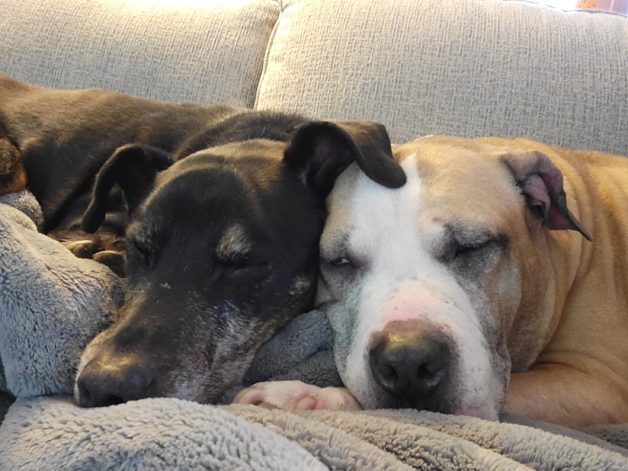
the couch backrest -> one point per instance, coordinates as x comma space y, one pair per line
193, 51
465, 67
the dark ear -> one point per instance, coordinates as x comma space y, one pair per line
321, 150
133, 167
541, 184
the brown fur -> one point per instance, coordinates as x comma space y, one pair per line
12, 174
568, 325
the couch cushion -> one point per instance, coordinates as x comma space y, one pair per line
466, 67
187, 50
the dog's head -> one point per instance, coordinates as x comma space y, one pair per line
222, 250
425, 283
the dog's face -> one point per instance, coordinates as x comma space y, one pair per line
222, 250
424, 282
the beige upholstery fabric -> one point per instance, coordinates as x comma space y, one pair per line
201, 51
467, 67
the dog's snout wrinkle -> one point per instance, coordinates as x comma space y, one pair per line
409, 363
105, 385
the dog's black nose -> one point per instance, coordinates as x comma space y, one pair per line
100, 385
408, 365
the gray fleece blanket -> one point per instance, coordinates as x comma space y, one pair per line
51, 304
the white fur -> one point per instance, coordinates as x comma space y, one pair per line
403, 281
233, 243
301, 285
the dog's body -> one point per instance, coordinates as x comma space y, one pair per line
441, 289
221, 209
65, 136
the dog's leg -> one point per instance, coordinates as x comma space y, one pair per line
561, 394
296, 395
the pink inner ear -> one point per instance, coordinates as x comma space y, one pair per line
542, 185
556, 220
536, 192
536, 189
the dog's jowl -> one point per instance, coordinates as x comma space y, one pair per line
220, 210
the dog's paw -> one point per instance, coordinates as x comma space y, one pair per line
116, 261
296, 396
81, 248
87, 248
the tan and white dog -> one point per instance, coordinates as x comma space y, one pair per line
473, 289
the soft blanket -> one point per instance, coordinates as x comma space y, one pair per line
48, 433
52, 303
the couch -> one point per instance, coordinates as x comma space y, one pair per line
462, 67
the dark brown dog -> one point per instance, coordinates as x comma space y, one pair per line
221, 209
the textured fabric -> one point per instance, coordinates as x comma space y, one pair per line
615, 434
463, 67
53, 433
51, 303
302, 351
151, 434
207, 52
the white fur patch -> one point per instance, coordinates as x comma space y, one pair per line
403, 281
233, 243
301, 285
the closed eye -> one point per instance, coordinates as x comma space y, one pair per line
242, 266
467, 249
456, 250
343, 261
339, 262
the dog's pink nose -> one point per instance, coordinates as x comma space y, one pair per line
408, 362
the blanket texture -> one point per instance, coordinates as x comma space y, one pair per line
52, 303
49, 433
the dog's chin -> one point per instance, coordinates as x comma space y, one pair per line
444, 403
484, 410
199, 389
450, 402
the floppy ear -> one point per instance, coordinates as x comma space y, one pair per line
541, 184
321, 150
133, 167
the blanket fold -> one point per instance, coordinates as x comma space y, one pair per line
302, 350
